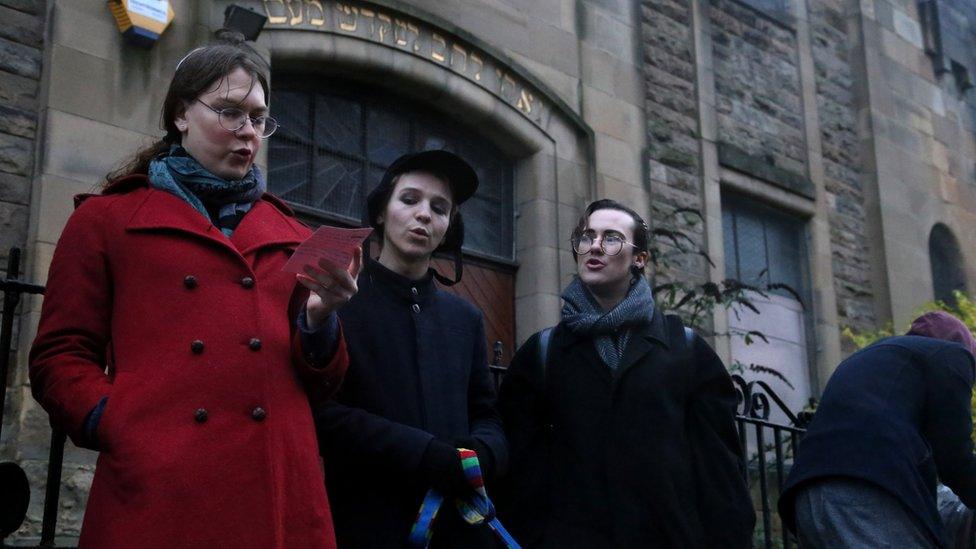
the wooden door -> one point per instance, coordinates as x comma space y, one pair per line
492, 289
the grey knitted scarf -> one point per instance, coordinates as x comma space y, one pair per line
610, 330
180, 174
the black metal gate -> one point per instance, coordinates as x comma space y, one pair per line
770, 448
13, 289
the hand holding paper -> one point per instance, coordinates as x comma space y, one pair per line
328, 264
330, 243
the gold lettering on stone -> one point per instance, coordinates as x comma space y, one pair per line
274, 19
316, 21
458, 51
481, 65
371, 15
399, 38
524, 102
384, 30
416, 33
436, 55
296, 14
420, 39
504, 80
350, 21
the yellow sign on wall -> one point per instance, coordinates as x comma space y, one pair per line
141, 22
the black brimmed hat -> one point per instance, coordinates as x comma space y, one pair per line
462, 180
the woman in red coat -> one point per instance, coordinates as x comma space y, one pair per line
171, 340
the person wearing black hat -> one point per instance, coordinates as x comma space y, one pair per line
418, 385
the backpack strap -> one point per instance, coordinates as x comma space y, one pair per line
675, 324
545, 336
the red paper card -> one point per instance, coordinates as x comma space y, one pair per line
330, 243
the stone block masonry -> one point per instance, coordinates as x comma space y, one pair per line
839, 140
674, 165
21, 54
757, 85
760, 122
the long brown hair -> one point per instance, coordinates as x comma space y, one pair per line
195, 73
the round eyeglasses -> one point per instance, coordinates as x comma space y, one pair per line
233, 119
610, 244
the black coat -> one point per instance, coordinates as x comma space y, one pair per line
896, 414
646, 456
417, 370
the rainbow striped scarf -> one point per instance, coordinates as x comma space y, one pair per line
475, 509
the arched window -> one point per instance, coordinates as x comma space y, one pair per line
946, 261
335, 142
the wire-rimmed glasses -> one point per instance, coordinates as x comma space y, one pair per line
233, 119
611, 244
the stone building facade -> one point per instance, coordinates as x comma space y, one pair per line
828, 145
21, 53
22, 49
847, 116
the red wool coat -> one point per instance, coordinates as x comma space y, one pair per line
207, 438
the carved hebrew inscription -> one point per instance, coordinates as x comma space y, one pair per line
383, 26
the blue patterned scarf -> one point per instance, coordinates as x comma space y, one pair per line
180, 174
610, 330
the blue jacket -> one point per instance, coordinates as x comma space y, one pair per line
896, 414
417, 370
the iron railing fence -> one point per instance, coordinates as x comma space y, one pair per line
770, 444
13, 290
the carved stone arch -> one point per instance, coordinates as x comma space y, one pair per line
551, 145
947, 263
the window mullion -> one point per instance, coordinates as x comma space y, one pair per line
311, 149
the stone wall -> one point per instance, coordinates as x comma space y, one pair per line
759, 114
21, 51
837, 113
757, 85
102, 97
920, 132
673, 155
21, 54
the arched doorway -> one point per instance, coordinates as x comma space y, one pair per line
336, 140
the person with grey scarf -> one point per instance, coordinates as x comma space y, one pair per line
620, 419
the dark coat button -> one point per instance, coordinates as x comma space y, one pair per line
247, 282
414, 290
190, 282
258, 414
200, 415
416, 308
254, 344
196, 346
